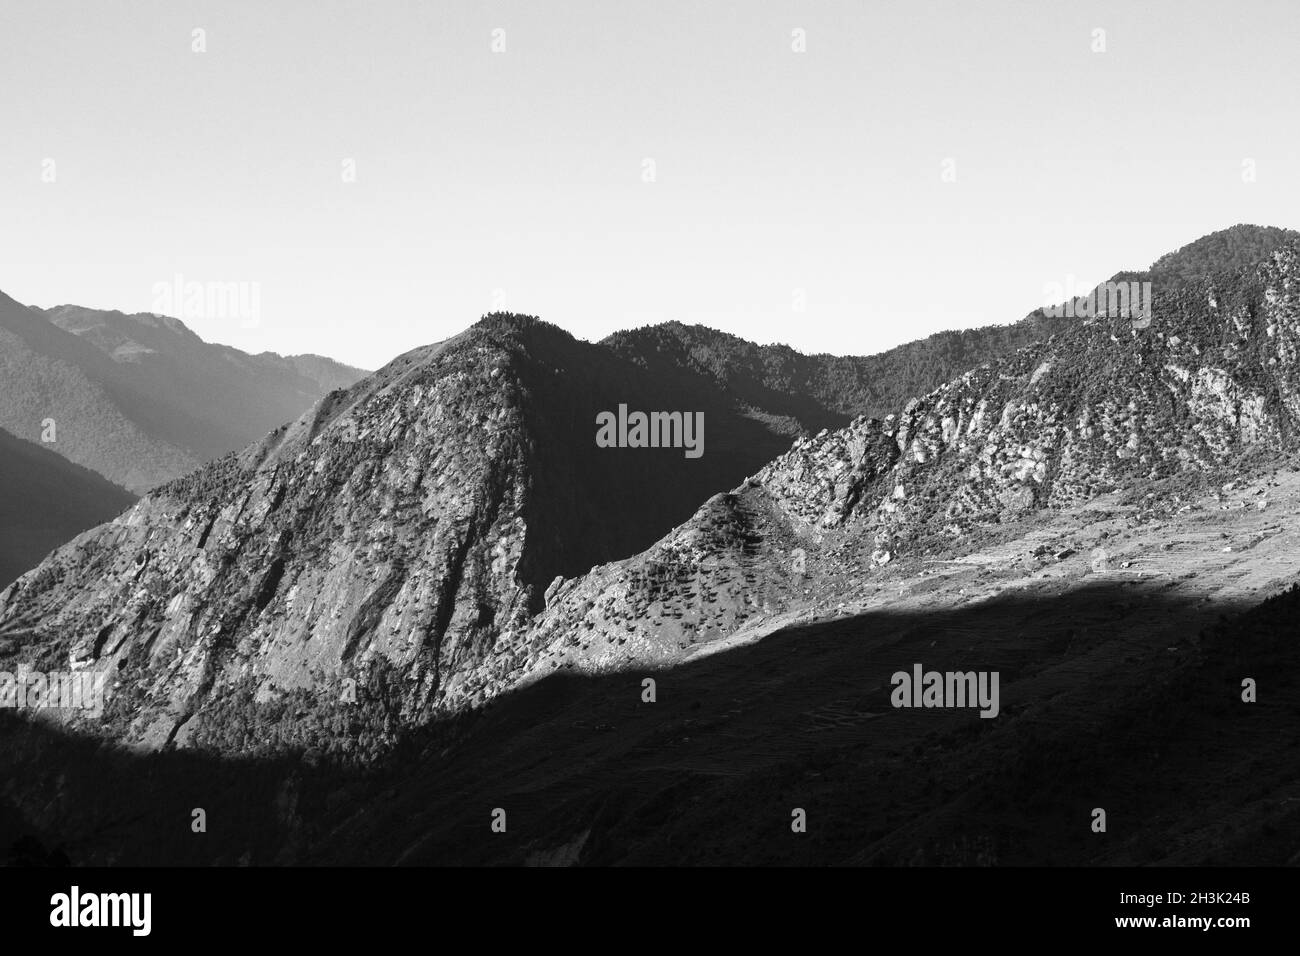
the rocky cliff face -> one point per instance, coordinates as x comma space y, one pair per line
384, 529
420, 543
379, 561
1100, 407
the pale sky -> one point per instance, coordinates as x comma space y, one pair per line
517, 179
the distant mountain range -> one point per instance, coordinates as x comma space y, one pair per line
141, 399
45, 501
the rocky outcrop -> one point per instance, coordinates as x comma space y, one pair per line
381, 560
383, 530
447, 529
1099, 407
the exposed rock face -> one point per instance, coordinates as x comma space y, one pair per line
383, 529
421, 542
396, 539
1096, 408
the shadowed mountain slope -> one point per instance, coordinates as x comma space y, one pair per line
45, 500
1117, 694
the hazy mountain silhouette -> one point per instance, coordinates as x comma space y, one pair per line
140, 398
45, 500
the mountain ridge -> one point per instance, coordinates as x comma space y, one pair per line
401, 535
